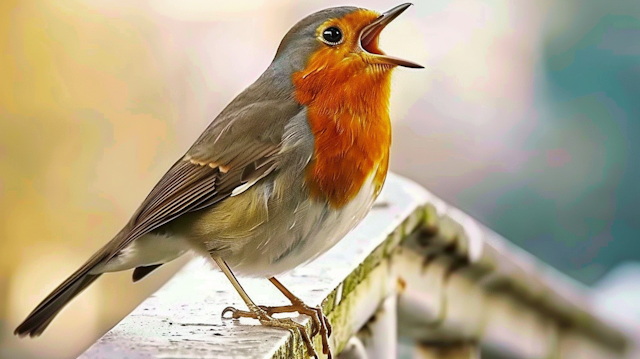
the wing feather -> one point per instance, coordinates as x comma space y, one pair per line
219, 162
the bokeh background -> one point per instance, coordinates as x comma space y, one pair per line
527, 117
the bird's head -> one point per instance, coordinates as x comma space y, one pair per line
337, 44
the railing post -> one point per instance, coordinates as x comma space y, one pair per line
380, 335
378, 339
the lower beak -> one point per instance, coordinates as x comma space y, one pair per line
369, 39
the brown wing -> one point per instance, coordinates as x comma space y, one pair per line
188, 187
238, 149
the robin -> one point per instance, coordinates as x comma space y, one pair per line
281, 175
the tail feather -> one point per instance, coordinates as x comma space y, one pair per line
38, 320
141, 272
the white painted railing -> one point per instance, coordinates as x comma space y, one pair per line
416, 272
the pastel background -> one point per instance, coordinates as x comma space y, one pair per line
527, 116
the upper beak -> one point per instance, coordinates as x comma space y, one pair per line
369, 38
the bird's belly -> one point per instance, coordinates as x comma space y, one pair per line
325, 227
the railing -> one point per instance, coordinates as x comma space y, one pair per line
417, 277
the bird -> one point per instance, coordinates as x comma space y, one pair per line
282, 174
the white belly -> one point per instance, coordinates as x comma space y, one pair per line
328, 227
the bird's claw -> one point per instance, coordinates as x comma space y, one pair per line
235, 313
321, 323
264, 315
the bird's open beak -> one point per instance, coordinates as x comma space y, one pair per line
369, 38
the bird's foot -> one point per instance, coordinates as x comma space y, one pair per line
321, 324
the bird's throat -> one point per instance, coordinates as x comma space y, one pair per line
349, 118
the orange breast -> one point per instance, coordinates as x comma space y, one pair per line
347, 110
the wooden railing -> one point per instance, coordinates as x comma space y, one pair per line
417, 279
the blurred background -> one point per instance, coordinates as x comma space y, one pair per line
527, 117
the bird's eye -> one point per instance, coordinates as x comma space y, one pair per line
332, 35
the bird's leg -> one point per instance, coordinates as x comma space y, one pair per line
320, 321
259, 313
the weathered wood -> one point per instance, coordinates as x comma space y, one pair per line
454, 281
